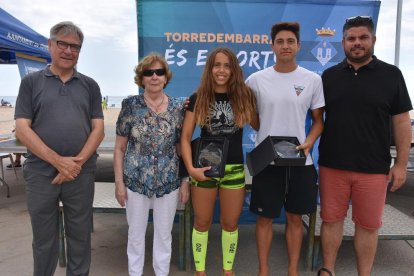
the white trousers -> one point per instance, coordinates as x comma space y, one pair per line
137, 208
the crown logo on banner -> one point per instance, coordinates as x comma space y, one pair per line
324, 51
325, 32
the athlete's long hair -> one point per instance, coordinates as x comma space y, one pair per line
242, 99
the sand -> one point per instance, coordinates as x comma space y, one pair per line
7, 118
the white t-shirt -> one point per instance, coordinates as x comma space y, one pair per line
283, 100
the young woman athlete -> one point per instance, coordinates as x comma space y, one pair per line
222, 105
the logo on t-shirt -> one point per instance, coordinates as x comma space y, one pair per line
298, 89
222, 118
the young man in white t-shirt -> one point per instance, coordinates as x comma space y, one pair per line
285, 92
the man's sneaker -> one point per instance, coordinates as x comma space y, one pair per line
16, 165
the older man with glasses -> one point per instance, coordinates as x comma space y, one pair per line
363, 95
59, 118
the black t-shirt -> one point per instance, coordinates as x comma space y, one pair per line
359, 104
222, 124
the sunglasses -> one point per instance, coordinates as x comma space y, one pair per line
359, 18
150, 72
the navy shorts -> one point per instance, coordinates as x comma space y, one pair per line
295, 188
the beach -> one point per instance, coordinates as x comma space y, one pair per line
7, 119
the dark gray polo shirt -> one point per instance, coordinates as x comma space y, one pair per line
61, 115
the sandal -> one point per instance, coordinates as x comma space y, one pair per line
15, 164
324, 269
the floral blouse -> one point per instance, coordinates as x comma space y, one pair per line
151, 160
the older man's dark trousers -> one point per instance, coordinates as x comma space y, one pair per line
43, 205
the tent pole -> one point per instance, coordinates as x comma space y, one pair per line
398, 34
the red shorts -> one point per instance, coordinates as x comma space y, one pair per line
366, 191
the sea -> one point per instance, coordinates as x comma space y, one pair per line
113, 101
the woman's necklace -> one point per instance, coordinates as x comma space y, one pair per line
153, 106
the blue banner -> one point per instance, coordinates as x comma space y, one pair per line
28, 64
184, 32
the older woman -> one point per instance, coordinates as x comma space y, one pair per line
146, 164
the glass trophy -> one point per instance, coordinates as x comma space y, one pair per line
286, 149
211, 152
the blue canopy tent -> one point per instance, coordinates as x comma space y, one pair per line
16, 37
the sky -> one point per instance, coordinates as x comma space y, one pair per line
110, 52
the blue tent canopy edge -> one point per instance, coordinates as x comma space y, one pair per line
16, 36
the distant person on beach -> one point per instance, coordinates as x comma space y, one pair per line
105, 103
363, 96
285, 93
146, 164
5, 103
59, 119
222, 106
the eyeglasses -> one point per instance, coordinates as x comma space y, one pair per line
74, 48
359, 18
150, 72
